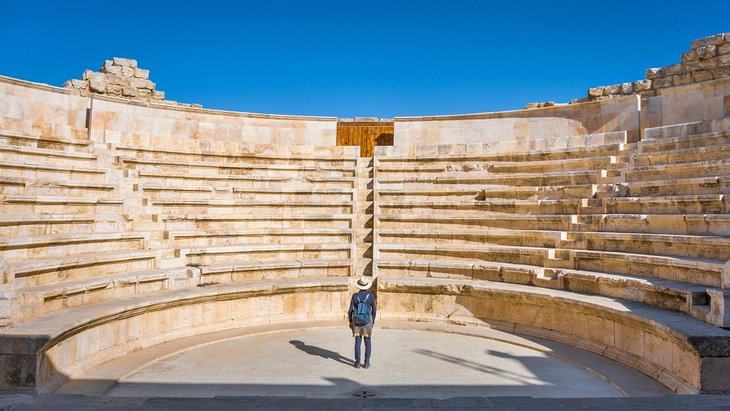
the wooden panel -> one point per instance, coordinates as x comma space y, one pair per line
367, 135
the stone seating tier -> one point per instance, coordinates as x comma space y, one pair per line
62, 345
691, 299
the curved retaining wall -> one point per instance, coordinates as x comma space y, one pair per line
687, 355
47, 352
40, 109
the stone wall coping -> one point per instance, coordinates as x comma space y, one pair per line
62, 90
707, 340
520, 113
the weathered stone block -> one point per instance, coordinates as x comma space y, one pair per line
114, 89
127, 71
80, 84
689, 56
125, 62
158, 95
595, 92
97, 84
141, 73
641, 85
723, 49
128, 91
707, 52
710, 40
652, 73
626, 88
88, 74
700, 76
143, 83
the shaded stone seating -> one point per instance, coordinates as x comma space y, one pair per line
24, 154
691, 299
49, 350
681, 352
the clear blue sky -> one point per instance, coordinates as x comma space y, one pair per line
347, 58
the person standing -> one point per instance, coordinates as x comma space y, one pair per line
362, 318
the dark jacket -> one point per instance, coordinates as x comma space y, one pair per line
362, 294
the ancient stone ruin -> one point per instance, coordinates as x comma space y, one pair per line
120, 77
707, 59
132, 229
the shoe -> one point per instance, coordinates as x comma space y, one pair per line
367, 365
357, 364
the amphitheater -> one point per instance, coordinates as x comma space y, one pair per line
152, 248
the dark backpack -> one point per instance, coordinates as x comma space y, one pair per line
361, 316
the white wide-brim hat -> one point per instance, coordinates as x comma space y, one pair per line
364, 283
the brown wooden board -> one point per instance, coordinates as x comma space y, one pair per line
367, 135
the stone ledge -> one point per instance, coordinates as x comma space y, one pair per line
642, 334
43, 348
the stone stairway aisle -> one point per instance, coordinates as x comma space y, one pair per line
364, 217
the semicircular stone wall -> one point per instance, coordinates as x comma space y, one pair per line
602, 225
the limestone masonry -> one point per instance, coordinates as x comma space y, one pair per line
120, 77
128, 222
707, 59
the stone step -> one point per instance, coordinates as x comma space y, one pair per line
269, 207
51, 171
58, 224
472, 220
264, 252
224, 237
43, 141
13, 204
58, 245
709, 247
43, 187
684, 155
274, 270
244, 181
684, 142
46, 156
684, 269
244, 153
463, 179
208, 167
596, 145
560, 206
490, 192
175, 221
684, 297
43, 271
666, 187
49, 298
681, 170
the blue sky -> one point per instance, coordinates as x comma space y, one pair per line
346, 58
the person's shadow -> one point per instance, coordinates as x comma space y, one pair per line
320, 352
